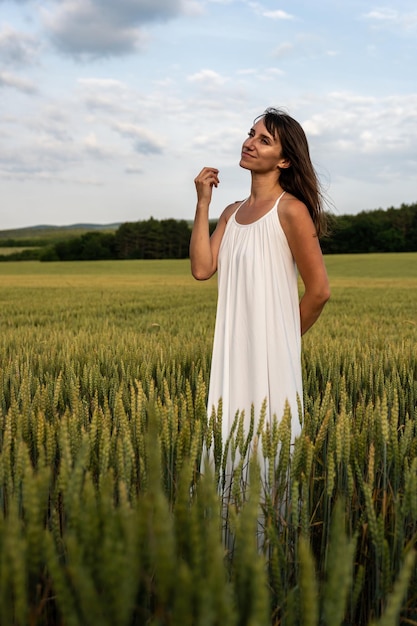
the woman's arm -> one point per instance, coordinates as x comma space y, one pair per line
305, 247
203, 248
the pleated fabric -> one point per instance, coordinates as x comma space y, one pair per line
257, 341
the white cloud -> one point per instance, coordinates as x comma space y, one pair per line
144, 141
45, 157
274, 14
105, 95
223, 141
94, 149
192, 7
271, 73
387, 17
277, 15
15, 82
208, 78
370, 135
384, 15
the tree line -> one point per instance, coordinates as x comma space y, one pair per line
148, 239
390, 230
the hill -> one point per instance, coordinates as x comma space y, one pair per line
45, 231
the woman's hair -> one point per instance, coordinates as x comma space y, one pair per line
300, 179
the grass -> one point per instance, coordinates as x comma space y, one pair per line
373, 266
7, 251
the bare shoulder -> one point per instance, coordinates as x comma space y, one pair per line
291, 209
295, 217
223, 219
226, 214
229, 210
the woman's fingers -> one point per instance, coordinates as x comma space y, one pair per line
205, 181
208, 176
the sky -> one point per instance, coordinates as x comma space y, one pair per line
110, 108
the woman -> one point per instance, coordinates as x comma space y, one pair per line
257, 247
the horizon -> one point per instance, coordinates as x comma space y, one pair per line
81, 225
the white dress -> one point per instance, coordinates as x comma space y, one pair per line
257, 340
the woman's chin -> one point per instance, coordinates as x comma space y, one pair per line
244, 163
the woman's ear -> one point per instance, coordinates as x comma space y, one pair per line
284, 164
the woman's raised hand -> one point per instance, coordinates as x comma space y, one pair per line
204, 183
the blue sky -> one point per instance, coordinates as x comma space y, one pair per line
109, 109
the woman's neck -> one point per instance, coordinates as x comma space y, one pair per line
264, 188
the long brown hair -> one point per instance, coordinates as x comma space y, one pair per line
300, 179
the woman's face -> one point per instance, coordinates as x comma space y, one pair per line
261, 151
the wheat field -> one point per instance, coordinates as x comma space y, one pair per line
105, 518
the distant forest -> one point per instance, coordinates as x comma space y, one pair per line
149, 239
390, 230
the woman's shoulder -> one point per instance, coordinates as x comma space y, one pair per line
230, 209
291, 209
289, 205
294, 215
